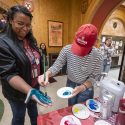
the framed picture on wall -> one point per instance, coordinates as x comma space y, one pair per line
55, 33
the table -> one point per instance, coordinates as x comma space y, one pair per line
54, 117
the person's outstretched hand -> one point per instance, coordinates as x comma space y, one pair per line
77, 90
42, 80
39, 97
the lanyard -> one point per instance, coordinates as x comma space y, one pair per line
33, 59
31, 56
29, 52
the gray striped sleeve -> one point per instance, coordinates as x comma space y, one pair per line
60, 62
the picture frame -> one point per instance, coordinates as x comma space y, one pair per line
55, 33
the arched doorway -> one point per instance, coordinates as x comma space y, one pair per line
102, 13
101, 10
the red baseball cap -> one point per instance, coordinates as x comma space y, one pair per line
84, 40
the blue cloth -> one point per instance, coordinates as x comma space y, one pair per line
19, 110
82, 96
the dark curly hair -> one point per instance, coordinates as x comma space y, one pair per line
18, 9
10, 16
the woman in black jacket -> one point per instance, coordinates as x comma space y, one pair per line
20, 65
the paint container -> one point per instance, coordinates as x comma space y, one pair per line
106, 106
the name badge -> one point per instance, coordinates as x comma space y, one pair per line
34, 73
37, 61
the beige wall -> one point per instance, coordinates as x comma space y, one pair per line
66, 11
117, 16
8, 3
57, 10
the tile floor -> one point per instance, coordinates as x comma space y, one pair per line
58, 103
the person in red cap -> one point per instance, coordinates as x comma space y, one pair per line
84, 64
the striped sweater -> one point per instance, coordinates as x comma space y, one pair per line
79, 69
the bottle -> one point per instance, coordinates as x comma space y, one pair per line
120, 120
106, 107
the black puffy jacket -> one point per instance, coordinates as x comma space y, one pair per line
13, 61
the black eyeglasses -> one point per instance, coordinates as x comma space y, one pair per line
22, 24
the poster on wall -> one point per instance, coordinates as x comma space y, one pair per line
55, 32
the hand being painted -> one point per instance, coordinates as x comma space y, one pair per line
39, 97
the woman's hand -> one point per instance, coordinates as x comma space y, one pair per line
39, 97
78, 89
41, 79
81, 88
40, 103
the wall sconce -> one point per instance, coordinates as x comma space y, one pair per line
84, 6
29, 5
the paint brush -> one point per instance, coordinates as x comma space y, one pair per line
44, 60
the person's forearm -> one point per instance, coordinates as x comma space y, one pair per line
86, 85
49, 73
19, 84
